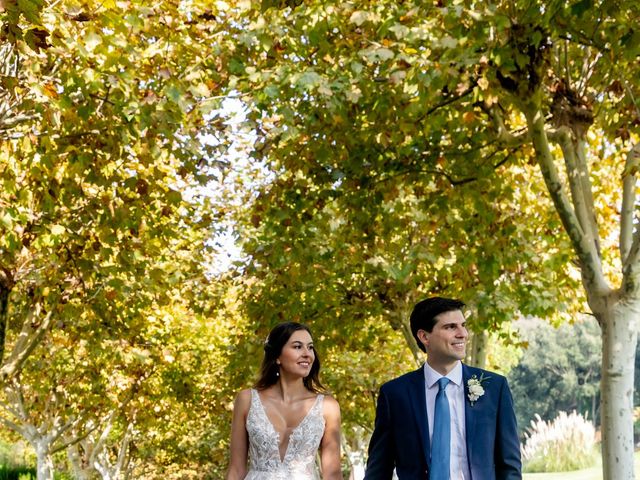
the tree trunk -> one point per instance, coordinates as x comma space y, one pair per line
619, 337
616, 310
44, 466
477, 354
4, 303
78, 463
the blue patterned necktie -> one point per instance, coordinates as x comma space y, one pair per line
441, 439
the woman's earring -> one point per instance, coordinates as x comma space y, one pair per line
278, 373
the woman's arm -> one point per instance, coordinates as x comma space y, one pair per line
239, 439
330, 445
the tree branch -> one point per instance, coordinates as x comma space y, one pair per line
446, 102
8, 408
580, 185
122, 451
583, 245
29, 338
505, 136
76, 439
12, 426
627, 235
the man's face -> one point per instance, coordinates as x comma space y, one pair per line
446, 343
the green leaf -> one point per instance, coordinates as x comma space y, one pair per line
6, 220
309, 79
30, 9
581, 7
174, 196
174, 93
267, 4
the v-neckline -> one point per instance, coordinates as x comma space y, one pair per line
264, 412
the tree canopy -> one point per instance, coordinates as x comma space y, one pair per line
350, 99
105, 227
483, 150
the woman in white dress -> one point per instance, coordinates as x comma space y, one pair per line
280, 425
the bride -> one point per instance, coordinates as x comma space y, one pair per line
280, 424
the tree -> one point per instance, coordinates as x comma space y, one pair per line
65, 407
102, 214
364, 93
565, 94
91, 198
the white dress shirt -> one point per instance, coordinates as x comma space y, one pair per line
459, 467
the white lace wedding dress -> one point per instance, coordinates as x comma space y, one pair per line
298, 463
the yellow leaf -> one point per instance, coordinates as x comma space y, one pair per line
50, 90
490, 100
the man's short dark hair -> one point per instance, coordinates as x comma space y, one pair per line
425, 312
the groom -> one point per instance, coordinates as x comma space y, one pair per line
446, 420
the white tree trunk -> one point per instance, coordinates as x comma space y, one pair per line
619, 336
78, 463
44, 466
105, 472
617, 310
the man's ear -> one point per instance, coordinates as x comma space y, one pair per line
423, 336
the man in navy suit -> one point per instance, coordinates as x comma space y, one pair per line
483, 434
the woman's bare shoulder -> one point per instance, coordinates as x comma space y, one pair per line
243, 399
330, 405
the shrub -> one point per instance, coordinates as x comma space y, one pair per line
25, 473
17, 473
562, 445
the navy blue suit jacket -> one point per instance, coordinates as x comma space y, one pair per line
400, 437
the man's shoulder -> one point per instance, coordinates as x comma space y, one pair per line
407, 378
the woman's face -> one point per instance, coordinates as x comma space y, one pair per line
297, 355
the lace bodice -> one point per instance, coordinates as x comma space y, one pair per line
299, 459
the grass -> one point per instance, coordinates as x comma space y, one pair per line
594, 473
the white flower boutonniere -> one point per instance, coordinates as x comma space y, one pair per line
476, 390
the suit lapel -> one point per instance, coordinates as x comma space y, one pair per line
417, 394
469, 412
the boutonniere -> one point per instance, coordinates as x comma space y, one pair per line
476, 389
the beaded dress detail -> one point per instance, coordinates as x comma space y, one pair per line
298, 463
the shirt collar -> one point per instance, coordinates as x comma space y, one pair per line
431, 376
